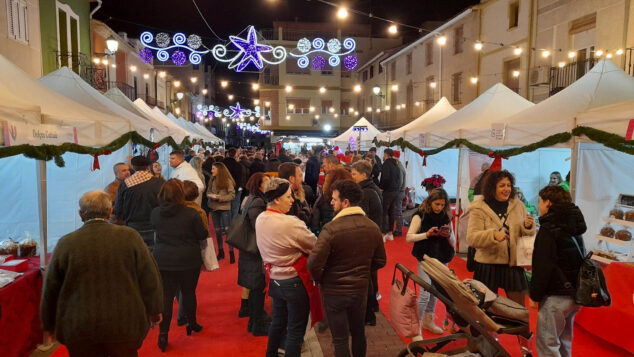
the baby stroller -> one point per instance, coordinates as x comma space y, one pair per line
477, 311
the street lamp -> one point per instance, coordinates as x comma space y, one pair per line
376, 90
180, 95
112, 44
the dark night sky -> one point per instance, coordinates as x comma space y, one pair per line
228, 17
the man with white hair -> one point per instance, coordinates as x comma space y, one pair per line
102, 289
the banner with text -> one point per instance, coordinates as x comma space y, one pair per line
17, 133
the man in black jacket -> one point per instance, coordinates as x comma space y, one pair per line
372, 205
556, 263
236, 170
257, 165
137, 197
348, 248
376, 165
312, 171
390, 184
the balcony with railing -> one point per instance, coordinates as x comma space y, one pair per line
562, 77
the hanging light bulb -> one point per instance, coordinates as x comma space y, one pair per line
392, 29
619, 52
599, 53
609, 55
478, 46
518, 51
442, 40
474, 80
516, 74
562, 64
545, 53
572, 54
342, 13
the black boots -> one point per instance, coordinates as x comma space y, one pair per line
162, 341
221, 254
193, 327
232, 258
244, 308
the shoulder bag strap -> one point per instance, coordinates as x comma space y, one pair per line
574, 240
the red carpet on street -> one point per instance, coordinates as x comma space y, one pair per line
224, 334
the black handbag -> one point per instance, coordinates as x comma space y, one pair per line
592, 290
241, 235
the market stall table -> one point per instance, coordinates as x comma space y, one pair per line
613, 323
20, 327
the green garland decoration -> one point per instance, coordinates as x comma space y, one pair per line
549, 141
49, 152
610, 140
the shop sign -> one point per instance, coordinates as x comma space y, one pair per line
18, 133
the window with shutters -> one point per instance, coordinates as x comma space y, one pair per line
456, 88
68, 36
17, 20
371, 71
429, 53
393, 71
458, 39
408, 64
325, 106
297, 106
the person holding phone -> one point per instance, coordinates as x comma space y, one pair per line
430, 231
497, 221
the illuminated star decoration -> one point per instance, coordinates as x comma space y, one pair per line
237, 111
249, 52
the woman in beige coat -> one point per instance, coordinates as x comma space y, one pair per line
220, 191
497, 221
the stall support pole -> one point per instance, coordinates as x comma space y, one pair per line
574, 164
42, 211
459, 195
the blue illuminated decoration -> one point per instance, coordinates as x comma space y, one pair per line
249, 52
214, 111
179, 57
332, 50
360, 128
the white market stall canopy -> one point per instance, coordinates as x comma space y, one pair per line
72, 86
412, 130
191, 127
93, 128
603, 85
176, 132
613, 118
363, 126
205, 130
495, 105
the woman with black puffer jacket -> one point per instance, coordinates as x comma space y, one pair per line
557, 257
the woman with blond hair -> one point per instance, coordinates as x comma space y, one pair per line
220, 191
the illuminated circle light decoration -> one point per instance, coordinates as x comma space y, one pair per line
350, 62
146, 55
163, 44
249, 52
179, 58
319, 63
332, 50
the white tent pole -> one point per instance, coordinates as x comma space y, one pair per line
42, 213
574, 158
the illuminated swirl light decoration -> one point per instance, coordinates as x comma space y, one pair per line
179, 43
253, 128
234, 114
249, 52
334, 50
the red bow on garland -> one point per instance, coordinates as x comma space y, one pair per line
95, 163
422, 153
497, 161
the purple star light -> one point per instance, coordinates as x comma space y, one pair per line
250, 50
237, 111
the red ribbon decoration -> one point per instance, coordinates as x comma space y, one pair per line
422, 153
497, 161
95, 164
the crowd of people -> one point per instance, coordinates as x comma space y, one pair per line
322, 217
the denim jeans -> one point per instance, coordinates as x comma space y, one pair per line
290, 314
235, 204
221, 221
346, 317
555, 326
426, 301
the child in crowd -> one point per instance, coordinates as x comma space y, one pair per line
557, 257
431, 233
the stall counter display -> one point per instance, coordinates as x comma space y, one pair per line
617, 231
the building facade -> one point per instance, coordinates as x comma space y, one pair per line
65, 35
20, 35
310, 101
